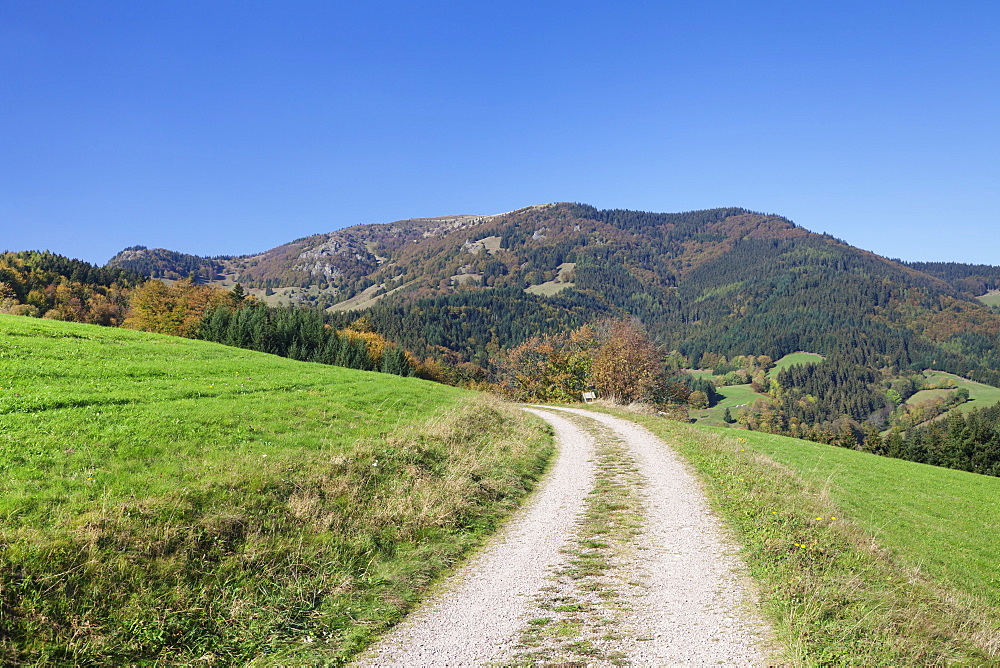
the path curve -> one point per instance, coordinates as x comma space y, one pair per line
697, 607
478, 615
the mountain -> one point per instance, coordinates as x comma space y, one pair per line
972, 279
727, 281
318, 269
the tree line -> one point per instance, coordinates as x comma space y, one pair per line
47, 285
965, 441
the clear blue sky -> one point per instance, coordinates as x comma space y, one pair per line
216, 127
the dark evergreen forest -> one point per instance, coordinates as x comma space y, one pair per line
300, 334
965, 441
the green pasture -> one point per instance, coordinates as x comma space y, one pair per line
92, 414
792, 359
549, 288
980, 395
929, 395
167, 501
942, 521
734, 397
991, 298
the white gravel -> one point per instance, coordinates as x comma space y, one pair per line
699, 607
479, 613
695, 606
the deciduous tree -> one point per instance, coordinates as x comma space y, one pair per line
627, 367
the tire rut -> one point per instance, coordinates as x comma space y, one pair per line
695, 605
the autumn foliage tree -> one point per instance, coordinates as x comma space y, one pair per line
43, 284
627, 367
616, 358
175, 309
548, 368
383, 355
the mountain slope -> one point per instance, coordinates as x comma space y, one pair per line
728, 280
336, 263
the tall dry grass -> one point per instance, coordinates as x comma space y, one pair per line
302, 562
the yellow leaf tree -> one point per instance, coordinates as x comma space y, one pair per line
627, 367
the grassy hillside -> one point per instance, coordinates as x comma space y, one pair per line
980, 395
791, 359
991, 298
861, 560
929, 395
169, 500
942, 521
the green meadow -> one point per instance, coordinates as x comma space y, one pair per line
942, 521
860, 559
171, 500
980, 395
792, 359
734, 397
929, 395
991, 298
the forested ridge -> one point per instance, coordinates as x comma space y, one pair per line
974, 279
163, 263
704, 286
727, 281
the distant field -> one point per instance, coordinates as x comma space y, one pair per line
279, 296
549, 288
980, 395
166, 499
557, 285
929, 395
862, 560
734, 396
365, 298
490, 244
991, 298
794, 358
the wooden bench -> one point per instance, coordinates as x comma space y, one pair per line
589, 397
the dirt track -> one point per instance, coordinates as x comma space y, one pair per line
671, 594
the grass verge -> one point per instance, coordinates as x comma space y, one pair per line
836, 588
173, 501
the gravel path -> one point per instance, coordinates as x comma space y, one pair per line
688, 599
479, 614
698, 609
